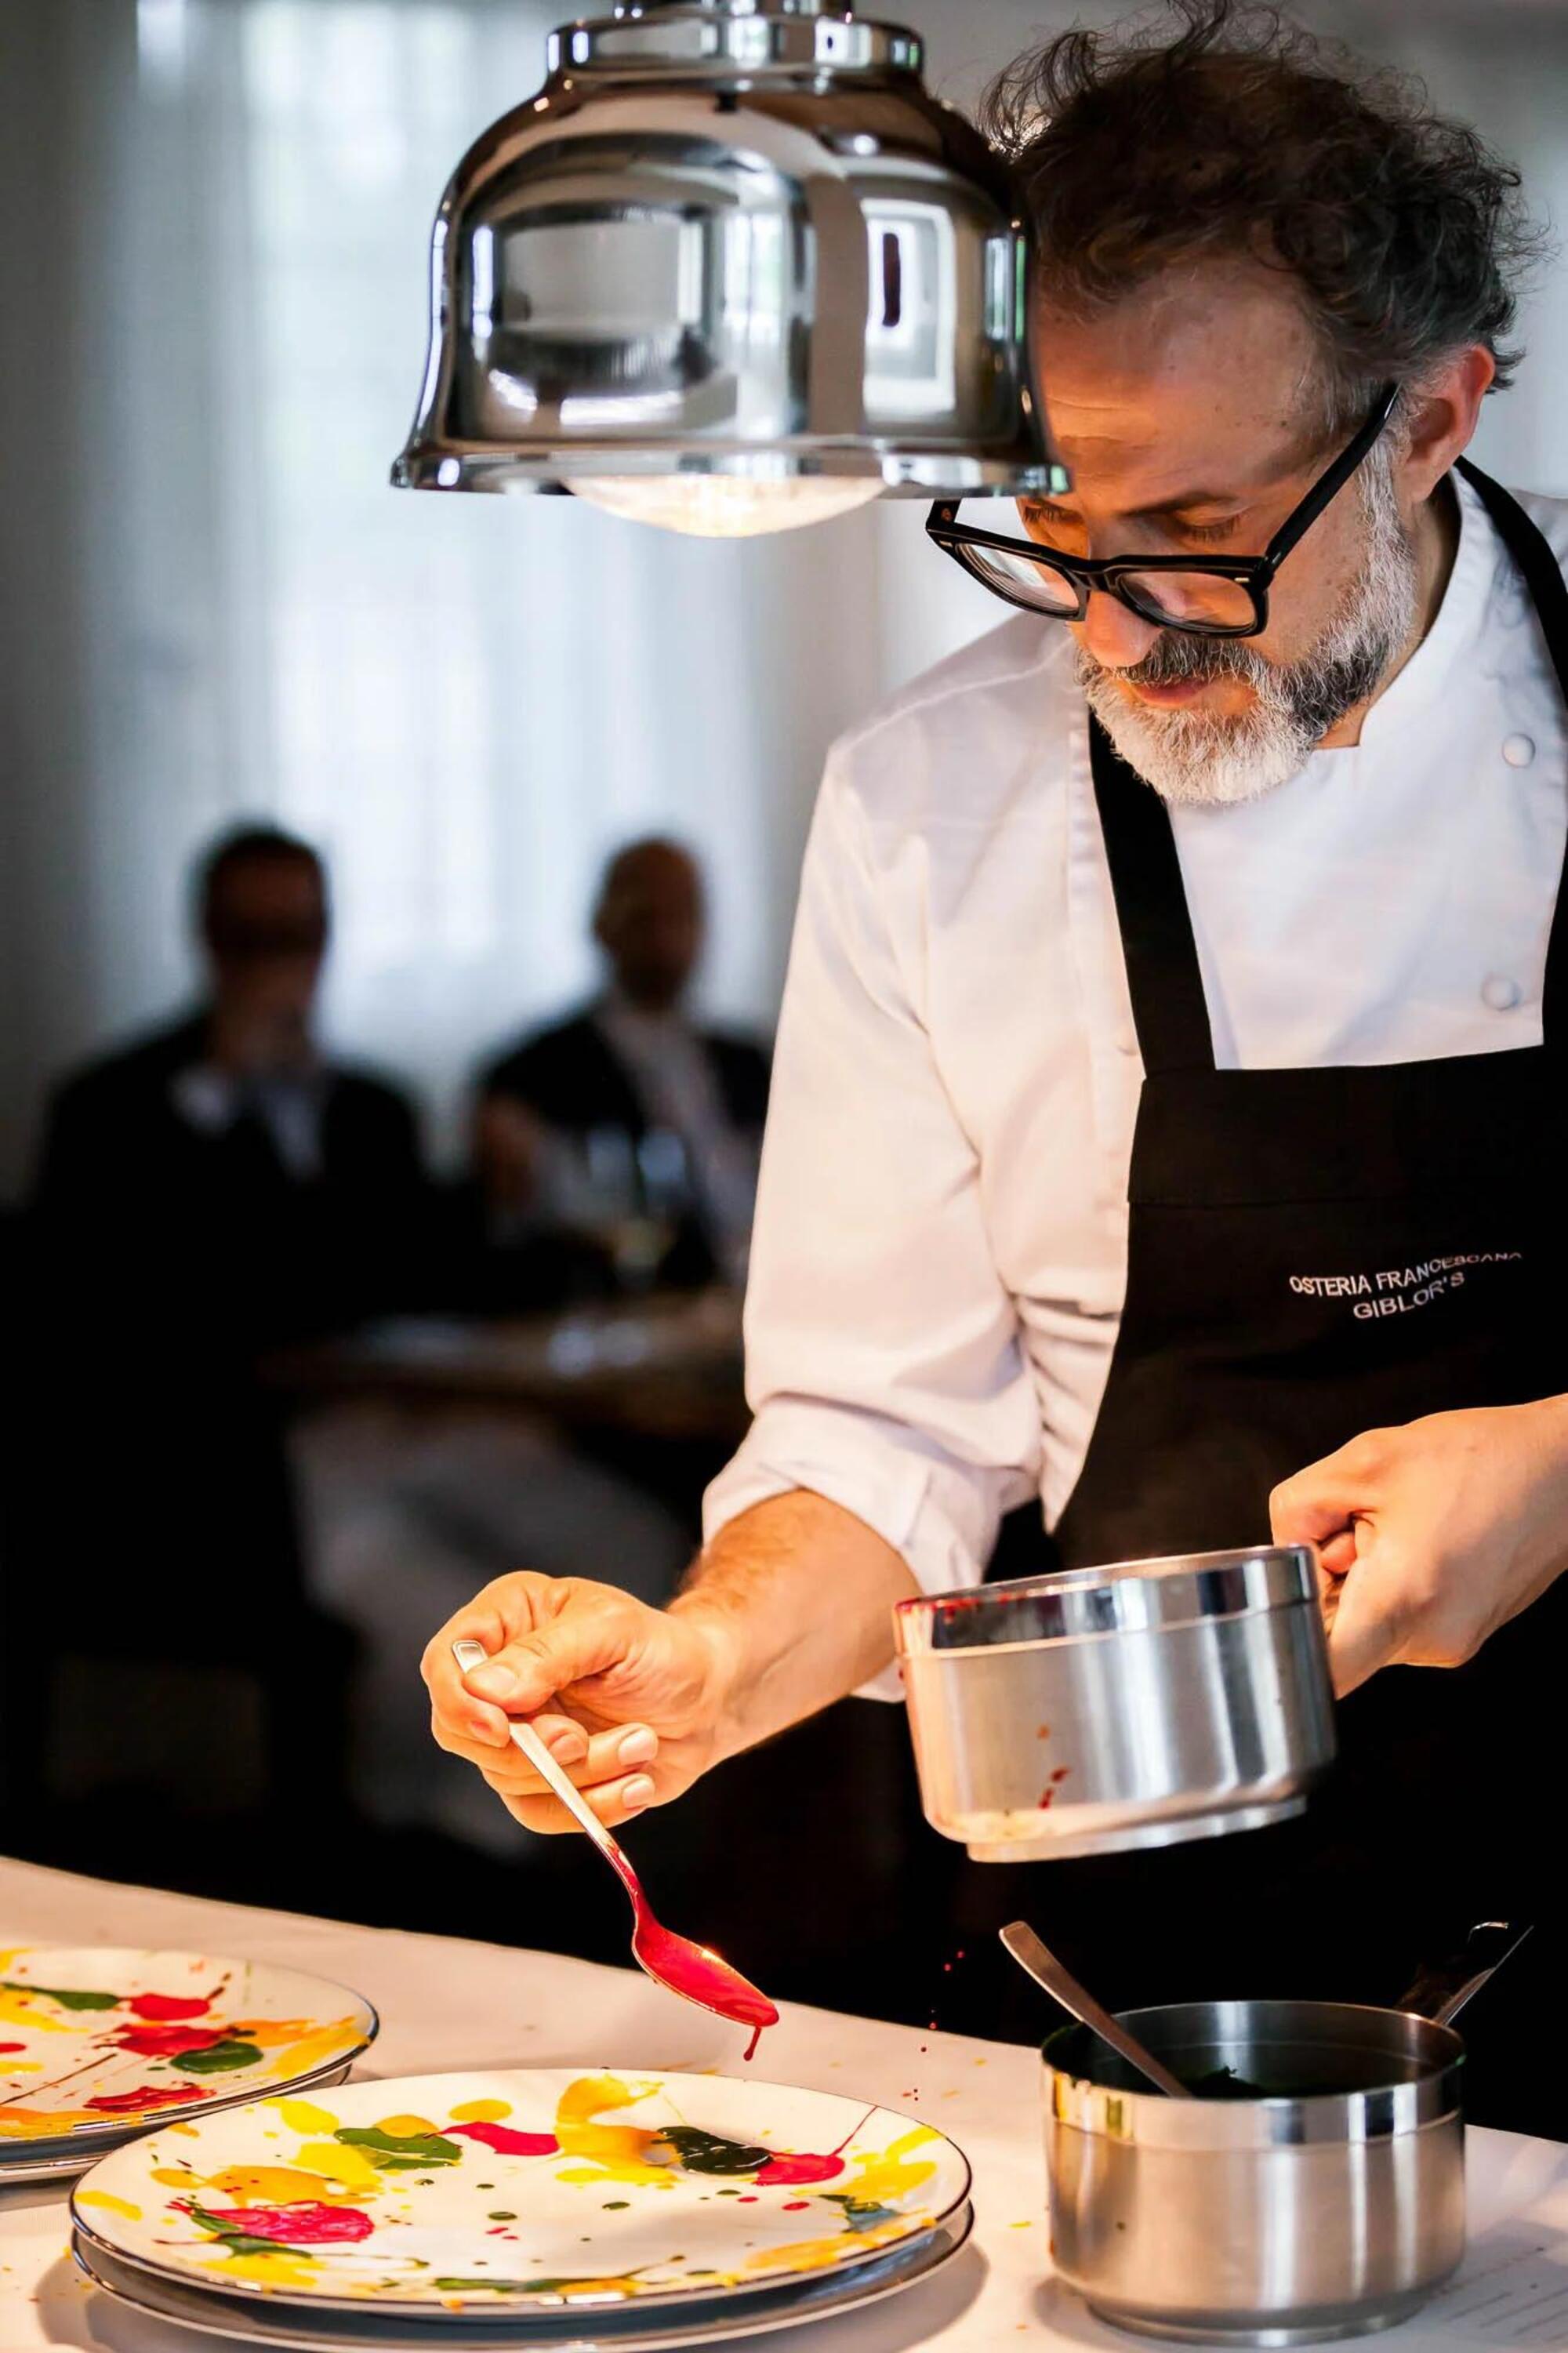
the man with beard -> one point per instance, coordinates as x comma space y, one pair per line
1132, 1149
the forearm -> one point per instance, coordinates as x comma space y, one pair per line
1543, 1508
796, 1597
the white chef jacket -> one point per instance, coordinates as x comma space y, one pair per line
939, 1254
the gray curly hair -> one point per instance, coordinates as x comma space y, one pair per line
1219, 126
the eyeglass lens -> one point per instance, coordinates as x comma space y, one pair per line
1205, 599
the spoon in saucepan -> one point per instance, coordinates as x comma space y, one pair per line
1439, 1993
675, 1962
1043, 1966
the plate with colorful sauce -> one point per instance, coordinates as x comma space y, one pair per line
98, 2042
529, 2192
656, 2327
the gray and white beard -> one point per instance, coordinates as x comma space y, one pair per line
1192, 757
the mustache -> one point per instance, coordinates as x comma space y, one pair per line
1175, 660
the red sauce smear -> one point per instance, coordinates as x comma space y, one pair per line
795, 2168
305, 2225
504, 2140
169, 2005
168, 2042
147, 2096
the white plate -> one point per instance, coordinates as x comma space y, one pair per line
529, 2191
635, 2329
96, 2041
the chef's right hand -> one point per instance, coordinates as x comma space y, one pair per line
629, 1700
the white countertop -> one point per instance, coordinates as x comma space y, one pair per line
445, 2003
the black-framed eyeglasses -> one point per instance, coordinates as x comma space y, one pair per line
1206, 595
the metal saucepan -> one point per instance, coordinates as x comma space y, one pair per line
1331, 2206
1127, 1706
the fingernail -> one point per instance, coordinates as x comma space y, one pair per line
569, 1747
637, 1792
638, 1748
493, 1681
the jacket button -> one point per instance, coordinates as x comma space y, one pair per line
1519, 749
1500, 992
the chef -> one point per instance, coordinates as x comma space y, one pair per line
1168, 1093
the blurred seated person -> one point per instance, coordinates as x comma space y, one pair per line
227, 1163
629, 1123
207, 1193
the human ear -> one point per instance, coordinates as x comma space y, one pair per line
1441, 419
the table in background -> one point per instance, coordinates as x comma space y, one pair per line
668, 1368
446, 2005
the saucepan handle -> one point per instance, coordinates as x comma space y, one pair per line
1443, 1987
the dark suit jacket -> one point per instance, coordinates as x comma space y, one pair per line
571, 1077
135, 1198
161, 1261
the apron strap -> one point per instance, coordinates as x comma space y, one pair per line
1542, 574
1164, 975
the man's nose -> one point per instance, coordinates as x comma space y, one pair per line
1113, 633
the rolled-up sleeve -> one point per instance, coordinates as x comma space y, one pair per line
883, 1360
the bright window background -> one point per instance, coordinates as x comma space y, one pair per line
213, 607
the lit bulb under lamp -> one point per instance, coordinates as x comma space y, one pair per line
722, 506
733, 271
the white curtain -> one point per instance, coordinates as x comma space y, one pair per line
212, 301
466, 701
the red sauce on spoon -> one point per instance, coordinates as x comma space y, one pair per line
694, 1971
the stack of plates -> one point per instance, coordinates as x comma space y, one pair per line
532, 2208
97, 2043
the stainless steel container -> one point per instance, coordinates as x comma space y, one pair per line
1329, 2211
1127, 1706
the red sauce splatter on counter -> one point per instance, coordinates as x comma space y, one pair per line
505, 2141
169, 2005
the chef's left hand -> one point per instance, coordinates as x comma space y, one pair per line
1434, 1535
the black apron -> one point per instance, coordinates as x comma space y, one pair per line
1313, 1253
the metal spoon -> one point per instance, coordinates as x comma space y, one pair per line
1443, 1989
690, 1970
1043, 1966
